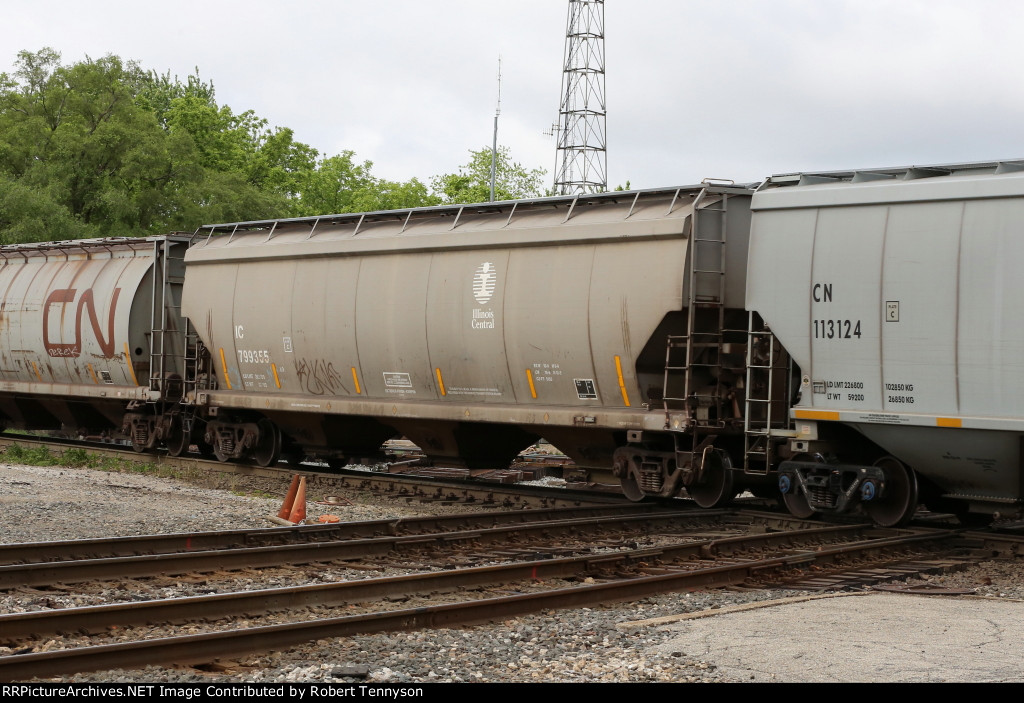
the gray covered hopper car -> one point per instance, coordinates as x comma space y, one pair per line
899, 294
476, 330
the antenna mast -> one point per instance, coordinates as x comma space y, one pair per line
581, 161
494, 145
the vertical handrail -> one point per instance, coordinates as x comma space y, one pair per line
761, 406
152, 315
704, 324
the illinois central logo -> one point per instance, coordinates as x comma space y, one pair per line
484, 281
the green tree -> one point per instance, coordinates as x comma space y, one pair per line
104, 148
330, 188
77, 148
156, 92
33, 214
472, 184
341, 184
246, 170
394, 195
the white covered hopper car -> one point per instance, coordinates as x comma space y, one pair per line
898, 293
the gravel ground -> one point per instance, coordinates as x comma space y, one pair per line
617, 643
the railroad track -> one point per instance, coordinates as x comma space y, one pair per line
448, 486
804, 555
79, 549
545, 531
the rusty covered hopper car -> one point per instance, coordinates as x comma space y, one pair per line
475, 330
88, 328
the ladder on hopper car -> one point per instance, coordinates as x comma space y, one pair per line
768, 391
164, 350
198, 373
702, 345
178, 362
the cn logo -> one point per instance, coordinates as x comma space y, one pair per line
63, 296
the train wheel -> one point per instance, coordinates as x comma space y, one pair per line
623, 468
178, 441
717, 486
631, 489
795, 500
900, 500
797, 505
268, 447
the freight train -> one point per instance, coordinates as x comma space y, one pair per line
844, 340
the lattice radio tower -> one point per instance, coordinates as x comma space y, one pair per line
581, 161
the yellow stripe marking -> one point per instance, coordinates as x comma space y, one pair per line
93, 374
816, 415
949, 422
355, 378
224, 365
277, 381
131, 367
622, 384
533, 389
440, 381
36, 369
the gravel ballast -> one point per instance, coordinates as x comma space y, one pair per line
635, 642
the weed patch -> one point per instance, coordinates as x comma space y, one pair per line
82, 459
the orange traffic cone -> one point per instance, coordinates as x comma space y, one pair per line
286, 507
299, 506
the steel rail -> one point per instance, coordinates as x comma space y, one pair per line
191, 649
51, 572
99, 617
34, 552
476, 492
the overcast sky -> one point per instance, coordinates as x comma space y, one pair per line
739, 89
